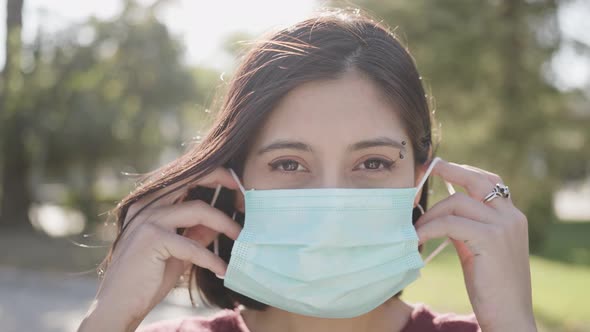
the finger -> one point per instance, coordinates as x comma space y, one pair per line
492, 177
185, 249
454, 227
220, 176
495, 179
193, 213
201, 234
169, 195
476, 184
459, 205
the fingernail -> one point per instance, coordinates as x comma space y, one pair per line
221, 276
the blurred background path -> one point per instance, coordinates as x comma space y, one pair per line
33, 300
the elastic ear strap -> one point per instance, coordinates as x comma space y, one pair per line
216, 246
216, 242
437, 251
216, 195
427, 174
237, 180
447, 241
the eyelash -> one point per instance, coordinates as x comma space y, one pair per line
387, 165
276, 164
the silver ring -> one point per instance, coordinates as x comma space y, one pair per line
499, 190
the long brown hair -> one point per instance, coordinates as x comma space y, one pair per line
322, 47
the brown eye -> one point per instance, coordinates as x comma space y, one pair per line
376, 164
287, 165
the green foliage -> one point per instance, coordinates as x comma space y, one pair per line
540, 214
103, 96
108, 96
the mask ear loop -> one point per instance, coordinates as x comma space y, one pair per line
451, 191
447, 241
427, 173
216, 240
235, 176
421, 209
215, 196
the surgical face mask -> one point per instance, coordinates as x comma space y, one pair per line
326, 252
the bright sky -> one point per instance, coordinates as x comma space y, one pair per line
204, 25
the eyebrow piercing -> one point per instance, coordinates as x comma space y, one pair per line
401, 156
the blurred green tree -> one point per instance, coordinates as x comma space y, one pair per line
486, 63
104, 94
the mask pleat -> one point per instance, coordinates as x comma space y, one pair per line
325, 252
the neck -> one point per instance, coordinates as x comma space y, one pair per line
391, 316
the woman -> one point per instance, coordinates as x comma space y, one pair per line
328, 122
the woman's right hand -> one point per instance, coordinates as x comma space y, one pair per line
151, 256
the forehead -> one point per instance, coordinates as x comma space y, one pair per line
339, 111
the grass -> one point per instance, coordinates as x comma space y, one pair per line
568, 242
560, 281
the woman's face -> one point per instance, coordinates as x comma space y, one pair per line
331, 134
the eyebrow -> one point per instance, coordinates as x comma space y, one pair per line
376, 142
365, 144
285, 144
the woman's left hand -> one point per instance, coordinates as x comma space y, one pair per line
491, 240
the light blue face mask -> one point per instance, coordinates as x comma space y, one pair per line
327, 252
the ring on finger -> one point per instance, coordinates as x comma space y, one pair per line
499, 190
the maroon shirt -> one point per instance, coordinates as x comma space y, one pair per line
422, 319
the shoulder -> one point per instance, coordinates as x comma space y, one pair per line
225, 320
424, 319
